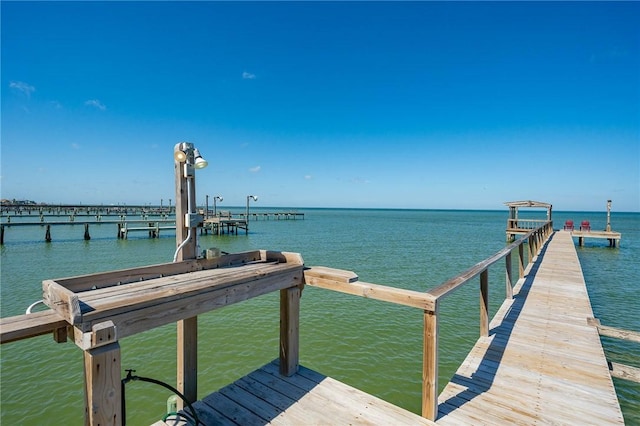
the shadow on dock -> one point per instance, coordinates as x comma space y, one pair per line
478, 383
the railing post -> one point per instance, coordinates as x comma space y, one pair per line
430, 364
509, 283
103, 392
484, 303
289, 330
521, 260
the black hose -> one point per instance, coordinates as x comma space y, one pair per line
131, 377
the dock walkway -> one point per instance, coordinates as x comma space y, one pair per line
542, 363
306, 398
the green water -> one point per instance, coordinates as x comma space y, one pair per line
374, 346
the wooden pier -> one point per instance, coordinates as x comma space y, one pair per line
519, 226
542, 362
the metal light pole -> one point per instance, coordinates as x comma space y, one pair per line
219, 198
247, 212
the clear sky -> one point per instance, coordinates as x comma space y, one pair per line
462, 105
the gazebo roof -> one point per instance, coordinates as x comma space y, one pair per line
528, 203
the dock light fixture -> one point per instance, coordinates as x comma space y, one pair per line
200, 163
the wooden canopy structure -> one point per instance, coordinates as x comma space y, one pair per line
515, 226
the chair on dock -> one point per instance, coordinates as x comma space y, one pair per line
585, 226
568, 225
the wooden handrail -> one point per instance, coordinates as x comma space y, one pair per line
347, 282
459, 280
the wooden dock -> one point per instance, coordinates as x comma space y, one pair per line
542, 363
611, 236
305, 398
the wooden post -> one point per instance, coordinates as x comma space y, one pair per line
430, 364
87, 237
47, 234
484, 303
1, 234
509, 283
521, 260
187, 336
289, 330
103, 394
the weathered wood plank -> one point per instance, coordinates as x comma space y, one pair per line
346, 282
625, 372
30, 325
305, 398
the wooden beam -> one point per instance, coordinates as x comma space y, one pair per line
187, 360
616, 333
509, 278
346, 282
289, 330
430, 364
30, 325
103, 394
624, 372
484, 303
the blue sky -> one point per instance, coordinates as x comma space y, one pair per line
460, 105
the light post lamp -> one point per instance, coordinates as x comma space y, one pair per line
247, 212
219, 198
186, 160
608, 228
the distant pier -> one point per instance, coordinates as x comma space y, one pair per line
152, 220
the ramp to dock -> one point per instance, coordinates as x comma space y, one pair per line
541, 363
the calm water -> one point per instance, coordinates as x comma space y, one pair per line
371, 345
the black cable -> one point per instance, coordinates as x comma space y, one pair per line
131, 377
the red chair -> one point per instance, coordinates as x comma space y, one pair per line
585, 226
568, 225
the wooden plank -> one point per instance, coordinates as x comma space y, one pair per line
625, 372
131, 275
132, 322
616, 333
343, 282
30, 325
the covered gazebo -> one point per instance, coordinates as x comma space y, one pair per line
522, 226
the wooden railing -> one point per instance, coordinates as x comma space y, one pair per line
429, 302
525, 223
